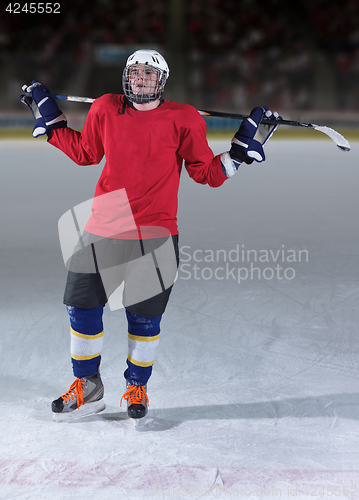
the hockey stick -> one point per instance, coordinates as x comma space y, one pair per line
339, 140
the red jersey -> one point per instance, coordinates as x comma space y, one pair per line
144, 153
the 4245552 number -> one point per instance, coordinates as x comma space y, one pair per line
33, 8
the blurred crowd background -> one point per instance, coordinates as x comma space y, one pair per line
298, 55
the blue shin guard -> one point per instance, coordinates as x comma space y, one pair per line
86, 339
143, 339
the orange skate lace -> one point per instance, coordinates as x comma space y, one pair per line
76, 389
135, 394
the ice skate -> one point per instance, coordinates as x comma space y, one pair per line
82, 399
137, 400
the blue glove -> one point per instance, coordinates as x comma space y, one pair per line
44, 108
252, 135
40, 126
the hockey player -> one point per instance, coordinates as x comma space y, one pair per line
145, 140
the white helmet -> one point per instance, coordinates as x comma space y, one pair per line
145, 76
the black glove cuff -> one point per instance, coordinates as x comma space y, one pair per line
237, 153
62, 124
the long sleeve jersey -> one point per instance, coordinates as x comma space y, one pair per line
144, 153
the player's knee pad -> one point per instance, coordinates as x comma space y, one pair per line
86, 321
143, 325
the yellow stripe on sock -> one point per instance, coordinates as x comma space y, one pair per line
87, 337
139, 363
143, 339
82, 358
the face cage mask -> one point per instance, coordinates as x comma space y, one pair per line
141, 88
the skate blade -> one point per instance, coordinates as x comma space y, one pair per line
140, 422
84, 411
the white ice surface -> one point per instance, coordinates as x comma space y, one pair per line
255, 390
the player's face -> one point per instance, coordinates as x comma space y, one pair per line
143, 79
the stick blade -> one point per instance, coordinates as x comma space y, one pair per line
339, 140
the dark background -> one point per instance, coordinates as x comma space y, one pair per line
223, 54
